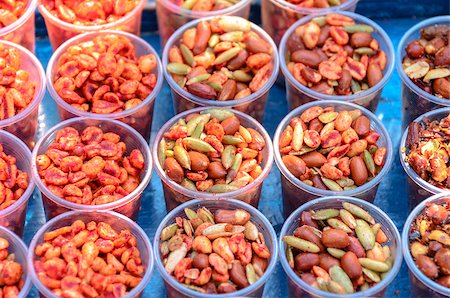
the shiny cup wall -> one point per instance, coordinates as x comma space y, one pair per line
128, 205
253, 105
278, 15
422, 286
175, 194
139, 117
117, 221
416, 101
298, 288
419, 189
171, 16
60, 31
24, 124
175, 289
298, 94
297, 193
13, 217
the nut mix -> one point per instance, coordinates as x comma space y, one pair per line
11, 273
430, 242
221, 59
426, 147
89, 12
339, 250
335, 56
104, 75
204, 5
90, 168
89, 260
13, 182
16, 89
331, 150
427, 61
212, 152
214, 253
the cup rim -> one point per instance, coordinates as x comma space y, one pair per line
200, 202
82, 28
314, 10
117, 115
368, 207
346, 98
321, 192
27, 14
202, 14
29, 190
399, 58
174, 38
38, 93
402, 154
39, 234
205, 195
407, 252
92, 208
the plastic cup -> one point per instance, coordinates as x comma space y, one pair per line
176, 194
22, 30
253, 105
297, 94
128, 205
419, 189
24, 124
416, 101
421, 285
19, 249
176, 289
117, 221
298, 288
139, 117
297, 193
171, 16
13, 217
60, 31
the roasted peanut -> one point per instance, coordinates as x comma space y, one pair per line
11, 279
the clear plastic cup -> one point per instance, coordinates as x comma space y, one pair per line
416, 101
419, 189
175, 194
24, 124
253, 105
298, 288
19, 249
139, 117
297, 193
421, 285
128, 205
297, 94
117, 221
278, 15
22, 30
60, 31
171, 16
176, 289
13, 217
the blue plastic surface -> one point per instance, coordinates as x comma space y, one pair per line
391, 196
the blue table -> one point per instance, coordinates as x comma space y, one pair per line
391, 196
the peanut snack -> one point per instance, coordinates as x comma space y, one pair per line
205, 5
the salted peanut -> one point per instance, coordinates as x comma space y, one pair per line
430, 240
227, 249
331, 149
324, 251
86, 267
221, 59
90, 167
427, 61
212, 152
